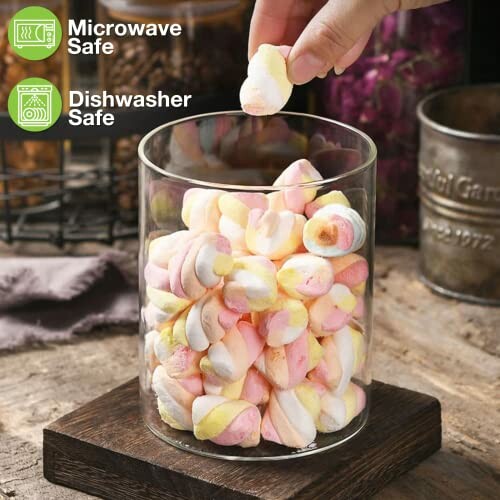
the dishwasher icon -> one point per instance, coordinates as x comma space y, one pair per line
34, 105
33, 33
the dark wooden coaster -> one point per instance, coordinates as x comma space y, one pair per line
104, 449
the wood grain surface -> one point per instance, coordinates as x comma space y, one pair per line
104, 448
423, 342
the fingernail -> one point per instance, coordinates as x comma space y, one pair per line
338, 71
305, 68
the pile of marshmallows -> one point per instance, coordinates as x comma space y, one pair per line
253, 313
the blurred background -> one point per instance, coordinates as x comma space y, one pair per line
80, 184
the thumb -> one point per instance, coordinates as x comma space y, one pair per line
338, 33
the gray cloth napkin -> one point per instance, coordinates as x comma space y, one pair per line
52, 298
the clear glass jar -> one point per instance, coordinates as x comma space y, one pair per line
256, 321
410, 54
197, 62
28, 161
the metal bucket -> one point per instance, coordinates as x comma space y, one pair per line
459, 169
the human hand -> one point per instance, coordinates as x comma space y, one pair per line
323, 34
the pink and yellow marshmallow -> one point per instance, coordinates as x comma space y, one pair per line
338, 411
286, 366
175, 398
332, 311
200, 264
200, 209
305, 276
283, 322
208, 320
267, 88
252, 387
251, 285
333, 197
154, 317
290, 417
334, 230
344, 357
173, 352
163, 248
167, 306
235, 208
351, 270
295, 198
234, 354
274, 235
226, 422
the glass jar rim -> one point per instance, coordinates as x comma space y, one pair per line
427, 120
365, 165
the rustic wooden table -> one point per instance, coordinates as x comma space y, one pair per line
423, 342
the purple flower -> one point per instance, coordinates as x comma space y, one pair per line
410, 54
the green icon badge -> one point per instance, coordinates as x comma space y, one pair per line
35, 33
35, 104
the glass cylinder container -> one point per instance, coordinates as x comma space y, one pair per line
409, 54
207, 59
29, 164
256, 263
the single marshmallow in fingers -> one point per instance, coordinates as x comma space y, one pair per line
267, 88
334, 230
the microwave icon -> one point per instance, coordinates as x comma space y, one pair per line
34, 105
35, 34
